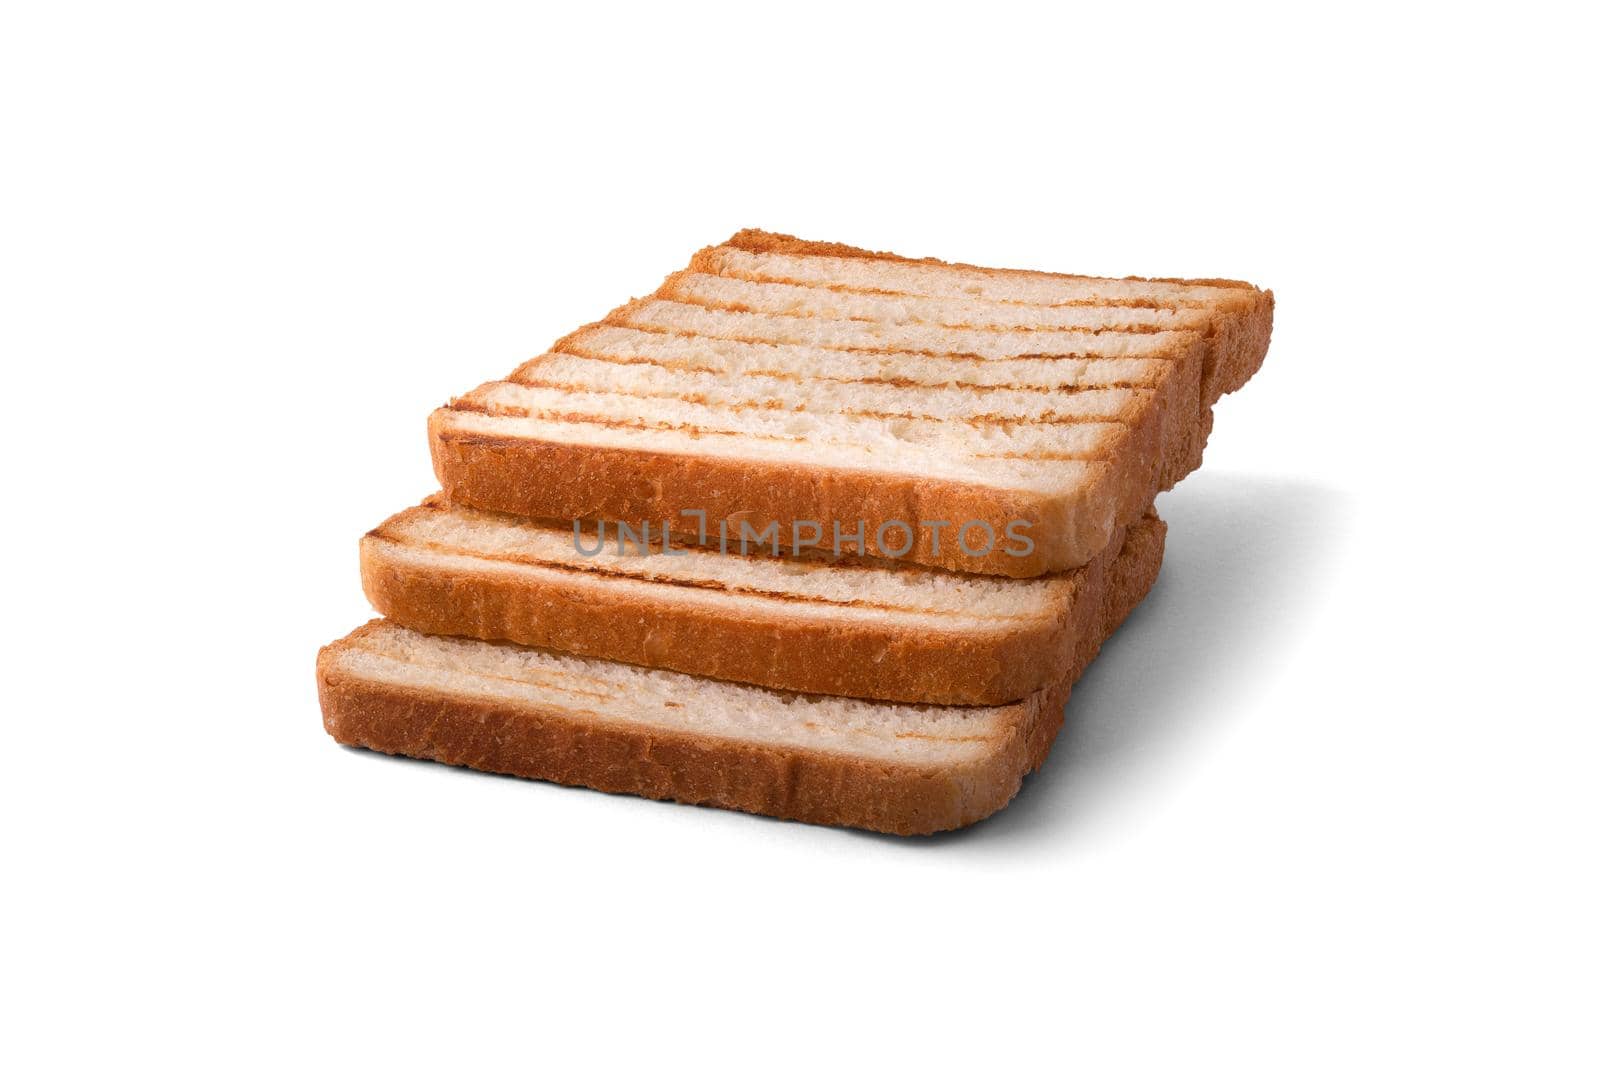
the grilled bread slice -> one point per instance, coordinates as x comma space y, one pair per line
782, 381
859, 627
893, 768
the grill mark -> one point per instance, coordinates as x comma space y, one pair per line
1142, 303
699, 400
670, 294
691, 431
1138, 303
621, 318
702, 584
751, 243
500, 411
571, 349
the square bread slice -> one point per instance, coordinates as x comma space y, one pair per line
888, 767
852, 626
979, 420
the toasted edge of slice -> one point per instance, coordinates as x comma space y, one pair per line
550, 479
567, 719
846, 628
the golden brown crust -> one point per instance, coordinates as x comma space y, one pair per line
1239, 341
621, 620
810, 786
547, 479
802, 786
1164, 443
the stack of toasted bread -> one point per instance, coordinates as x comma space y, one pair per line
812, 532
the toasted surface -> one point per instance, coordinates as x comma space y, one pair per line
847, 626
895, 768
785, 380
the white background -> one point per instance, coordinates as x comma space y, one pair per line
1330, 795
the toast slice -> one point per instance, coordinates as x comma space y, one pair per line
781, 382
861, 627
892, 768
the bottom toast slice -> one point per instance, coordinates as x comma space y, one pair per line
893, 768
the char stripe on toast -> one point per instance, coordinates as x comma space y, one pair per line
802, 301
623, 345
749, 255
906, 338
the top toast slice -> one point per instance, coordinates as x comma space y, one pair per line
979, 420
